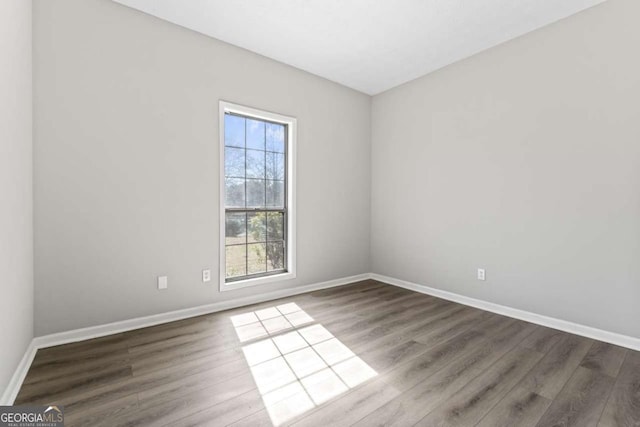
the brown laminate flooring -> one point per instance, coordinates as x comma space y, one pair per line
364, 354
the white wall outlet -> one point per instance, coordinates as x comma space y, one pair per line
206, 276
163, 282
481, 275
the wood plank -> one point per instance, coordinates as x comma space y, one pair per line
167, 360
100, 412
368, 397
87, 349
581, 401
406, 376
419, 400
162, 411
350, 407
222, 414
544, 339
555, 369
605, 358
199, 378
519, 408
623, 407
455, 326
40, 391
77, 369
257, 419
475, 399
367, 334
80, 400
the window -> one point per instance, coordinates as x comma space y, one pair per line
256, 196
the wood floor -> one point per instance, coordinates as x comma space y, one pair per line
364, 354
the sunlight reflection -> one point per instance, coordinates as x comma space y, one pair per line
296, 365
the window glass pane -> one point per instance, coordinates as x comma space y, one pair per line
257, 223
255, 193
275, 137
234, 162
275, 166
275, 194
234, 192
275, 256
255, 134
255, 164
235, 229
257, 258
234, 130
275, 226
255, 176
236, 260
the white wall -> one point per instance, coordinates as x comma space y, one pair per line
16, 195
126, 155
524, 160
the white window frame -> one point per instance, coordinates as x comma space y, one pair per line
290, 122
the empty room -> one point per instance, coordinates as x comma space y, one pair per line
320, 213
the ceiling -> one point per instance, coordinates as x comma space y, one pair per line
368, 45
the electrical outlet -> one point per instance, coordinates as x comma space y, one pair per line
481, 275
163, 282
206, 276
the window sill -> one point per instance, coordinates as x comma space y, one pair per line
230, 286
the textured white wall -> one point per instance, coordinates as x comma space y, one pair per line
126, 155
16, 195
523, 160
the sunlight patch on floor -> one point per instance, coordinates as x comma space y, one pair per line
296, 364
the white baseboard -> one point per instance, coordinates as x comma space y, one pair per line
141, 322
75, 335
171, 316
10, 393
562, 325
